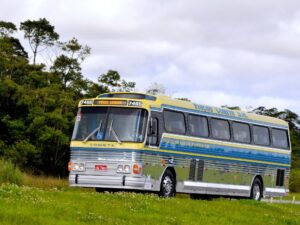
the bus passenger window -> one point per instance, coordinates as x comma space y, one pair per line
241, 132
198, 126
261, 135
174, 122
279, 138
220, 129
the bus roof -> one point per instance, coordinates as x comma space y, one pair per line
219, 112
159, 102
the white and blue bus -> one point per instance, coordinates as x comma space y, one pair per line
135, 141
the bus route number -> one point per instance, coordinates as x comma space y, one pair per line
135, 103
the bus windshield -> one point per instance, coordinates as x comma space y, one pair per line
110, 124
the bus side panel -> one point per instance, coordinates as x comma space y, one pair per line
196, 166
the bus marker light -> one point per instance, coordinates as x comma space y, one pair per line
136, 169
70, 166
101, 167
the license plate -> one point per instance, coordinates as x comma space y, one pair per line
101, 167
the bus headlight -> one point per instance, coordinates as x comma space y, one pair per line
126, 169
120, 169
78, 167
123, 169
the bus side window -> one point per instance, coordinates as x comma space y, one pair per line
153, 132
261, 135
198, 125
280, 138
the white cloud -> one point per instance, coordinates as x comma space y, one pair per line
215, 52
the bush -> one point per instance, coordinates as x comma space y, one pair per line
9, 173
295, 180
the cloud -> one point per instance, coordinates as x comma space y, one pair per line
216, 52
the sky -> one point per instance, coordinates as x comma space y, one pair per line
230, 52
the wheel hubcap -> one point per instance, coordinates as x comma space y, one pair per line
256, 192
167, 185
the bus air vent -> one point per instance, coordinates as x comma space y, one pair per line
128, 95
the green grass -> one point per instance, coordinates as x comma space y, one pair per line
28, 205
9, 173
44, 182
48, 200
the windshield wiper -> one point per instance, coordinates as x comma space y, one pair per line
93, 132
111, 130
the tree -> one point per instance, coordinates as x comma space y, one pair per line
12, 54
76, 50
38, 106
39, 33
67, 65
156, 89
126, 86
112, 81
7, 28
231, 107
67, 69
287, 115
13, 57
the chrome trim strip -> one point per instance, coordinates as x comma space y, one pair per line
276, 190
215, 185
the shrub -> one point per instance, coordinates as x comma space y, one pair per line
9, 173
295, 180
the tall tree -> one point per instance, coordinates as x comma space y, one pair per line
112, 81
74, 50
67, 66
13, 57
40, 33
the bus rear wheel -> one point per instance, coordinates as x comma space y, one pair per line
256, 190
167, 186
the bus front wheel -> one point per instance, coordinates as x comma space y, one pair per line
167, 186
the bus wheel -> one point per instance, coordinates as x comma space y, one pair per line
167, 186
256, 190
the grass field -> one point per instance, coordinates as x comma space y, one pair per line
30, 205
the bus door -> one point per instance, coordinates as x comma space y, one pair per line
154, 130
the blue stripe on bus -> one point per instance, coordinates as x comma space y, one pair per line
227, 151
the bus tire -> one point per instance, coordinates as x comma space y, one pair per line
256, 190
167, 186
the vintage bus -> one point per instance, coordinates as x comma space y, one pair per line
135, 141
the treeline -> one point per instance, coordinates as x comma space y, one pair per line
38, 102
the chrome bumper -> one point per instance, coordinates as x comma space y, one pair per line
106, 181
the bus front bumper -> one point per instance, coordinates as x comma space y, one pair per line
115, 182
